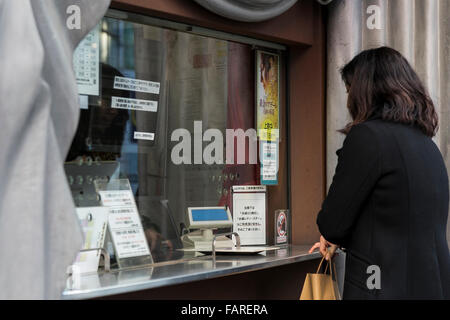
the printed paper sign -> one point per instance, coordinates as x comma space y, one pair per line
134, 104
137, 85
269, 162
144, 135
249, 216
124, 224
93, 221
86, 59
116, 198
123, 217
249, 188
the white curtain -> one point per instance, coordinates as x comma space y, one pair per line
39, 230
419, 29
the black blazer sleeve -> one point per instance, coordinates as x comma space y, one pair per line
357, 171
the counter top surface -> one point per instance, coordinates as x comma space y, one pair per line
182, 271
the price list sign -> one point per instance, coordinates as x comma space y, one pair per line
124, 224
86, 64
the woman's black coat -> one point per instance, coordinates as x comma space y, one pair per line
388, 206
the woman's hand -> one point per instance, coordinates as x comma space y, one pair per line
327, 249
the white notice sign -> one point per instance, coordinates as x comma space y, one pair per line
137, 85
269, 161
124, 224
86, 59
134, 104
249, 214
144, 135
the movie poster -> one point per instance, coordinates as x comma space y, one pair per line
267, 114
267, 95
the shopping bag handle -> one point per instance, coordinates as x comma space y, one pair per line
332, 268
329, 263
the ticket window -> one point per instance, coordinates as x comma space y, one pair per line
138, 85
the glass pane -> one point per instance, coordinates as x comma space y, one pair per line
126, 131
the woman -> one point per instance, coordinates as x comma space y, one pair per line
388, 202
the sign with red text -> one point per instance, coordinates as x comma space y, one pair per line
124, 224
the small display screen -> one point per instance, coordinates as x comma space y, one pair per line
209, 215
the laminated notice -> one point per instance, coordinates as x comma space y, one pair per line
144, 135
86, 59
124, 223
134, 104
137, 85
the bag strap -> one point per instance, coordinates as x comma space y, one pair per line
330, 264
326, 268
320, 264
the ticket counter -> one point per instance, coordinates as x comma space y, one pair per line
242, 277
155, 71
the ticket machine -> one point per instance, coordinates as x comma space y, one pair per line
201, 223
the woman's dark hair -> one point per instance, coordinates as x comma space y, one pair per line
381, 81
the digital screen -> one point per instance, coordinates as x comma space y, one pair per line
209, 215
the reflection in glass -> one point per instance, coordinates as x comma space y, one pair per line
201, 79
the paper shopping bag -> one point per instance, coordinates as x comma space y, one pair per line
321, 286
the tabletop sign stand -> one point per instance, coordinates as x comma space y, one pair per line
250, 214
124, 224
106, 262
94, 222
282, 225
238, 244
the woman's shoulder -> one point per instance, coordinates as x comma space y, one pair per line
363, 138
387, 136
377, 135
364, 131
387, 130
